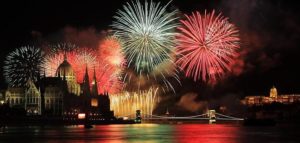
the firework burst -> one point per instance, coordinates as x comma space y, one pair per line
62, 47
111, 65
109, 78
147, 34
52, 61
23, 64
110, 51
84, 57
55, 56
207, 45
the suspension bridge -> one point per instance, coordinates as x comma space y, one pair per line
212, 116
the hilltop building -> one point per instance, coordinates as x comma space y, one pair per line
272, 98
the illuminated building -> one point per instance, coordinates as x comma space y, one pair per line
53, 90
86, 84
94, 102
60, 95
32, 99
28, 97
81, 116
94, 85
2, 97
66, 72
273, 92
273, 97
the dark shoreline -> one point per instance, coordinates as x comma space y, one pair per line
59, 122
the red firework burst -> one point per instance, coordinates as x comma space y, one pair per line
207, 45
85, 58
53, 60
111, 65
78, 59
110, 50
108, 78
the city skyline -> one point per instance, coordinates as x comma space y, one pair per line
149, 71
265, 59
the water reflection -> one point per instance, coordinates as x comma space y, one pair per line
207, 133
150, 133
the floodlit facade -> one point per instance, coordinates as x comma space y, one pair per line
58, 96
272, 98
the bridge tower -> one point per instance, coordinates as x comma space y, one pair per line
138, 118
212, 116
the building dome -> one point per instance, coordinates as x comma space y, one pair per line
273, 92
65, 72
65, 68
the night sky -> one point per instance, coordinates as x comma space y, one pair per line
269, 33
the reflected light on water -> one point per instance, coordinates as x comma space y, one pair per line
206, 133
149, 133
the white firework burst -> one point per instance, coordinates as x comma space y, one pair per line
23, 64
147, 32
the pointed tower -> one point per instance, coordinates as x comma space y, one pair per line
44, 73
64, 76
65, 56
58, 74
38, 76
94, 85
86, 83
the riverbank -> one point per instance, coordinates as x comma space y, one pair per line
41, 121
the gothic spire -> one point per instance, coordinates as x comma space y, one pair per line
86, 83
94, 84
65, 56
64, 76
44, 73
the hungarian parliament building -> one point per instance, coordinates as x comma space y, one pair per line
272, 98
59, 95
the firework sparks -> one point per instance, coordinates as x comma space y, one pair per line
107, 72
127, 103
52, 61
55, 56
63, 47
23, 64
207, 45
111, 64
78, 57
84, 57
147, 33
109, 80
111, 51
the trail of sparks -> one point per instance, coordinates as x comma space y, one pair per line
126, 103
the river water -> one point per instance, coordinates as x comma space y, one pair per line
151, 133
